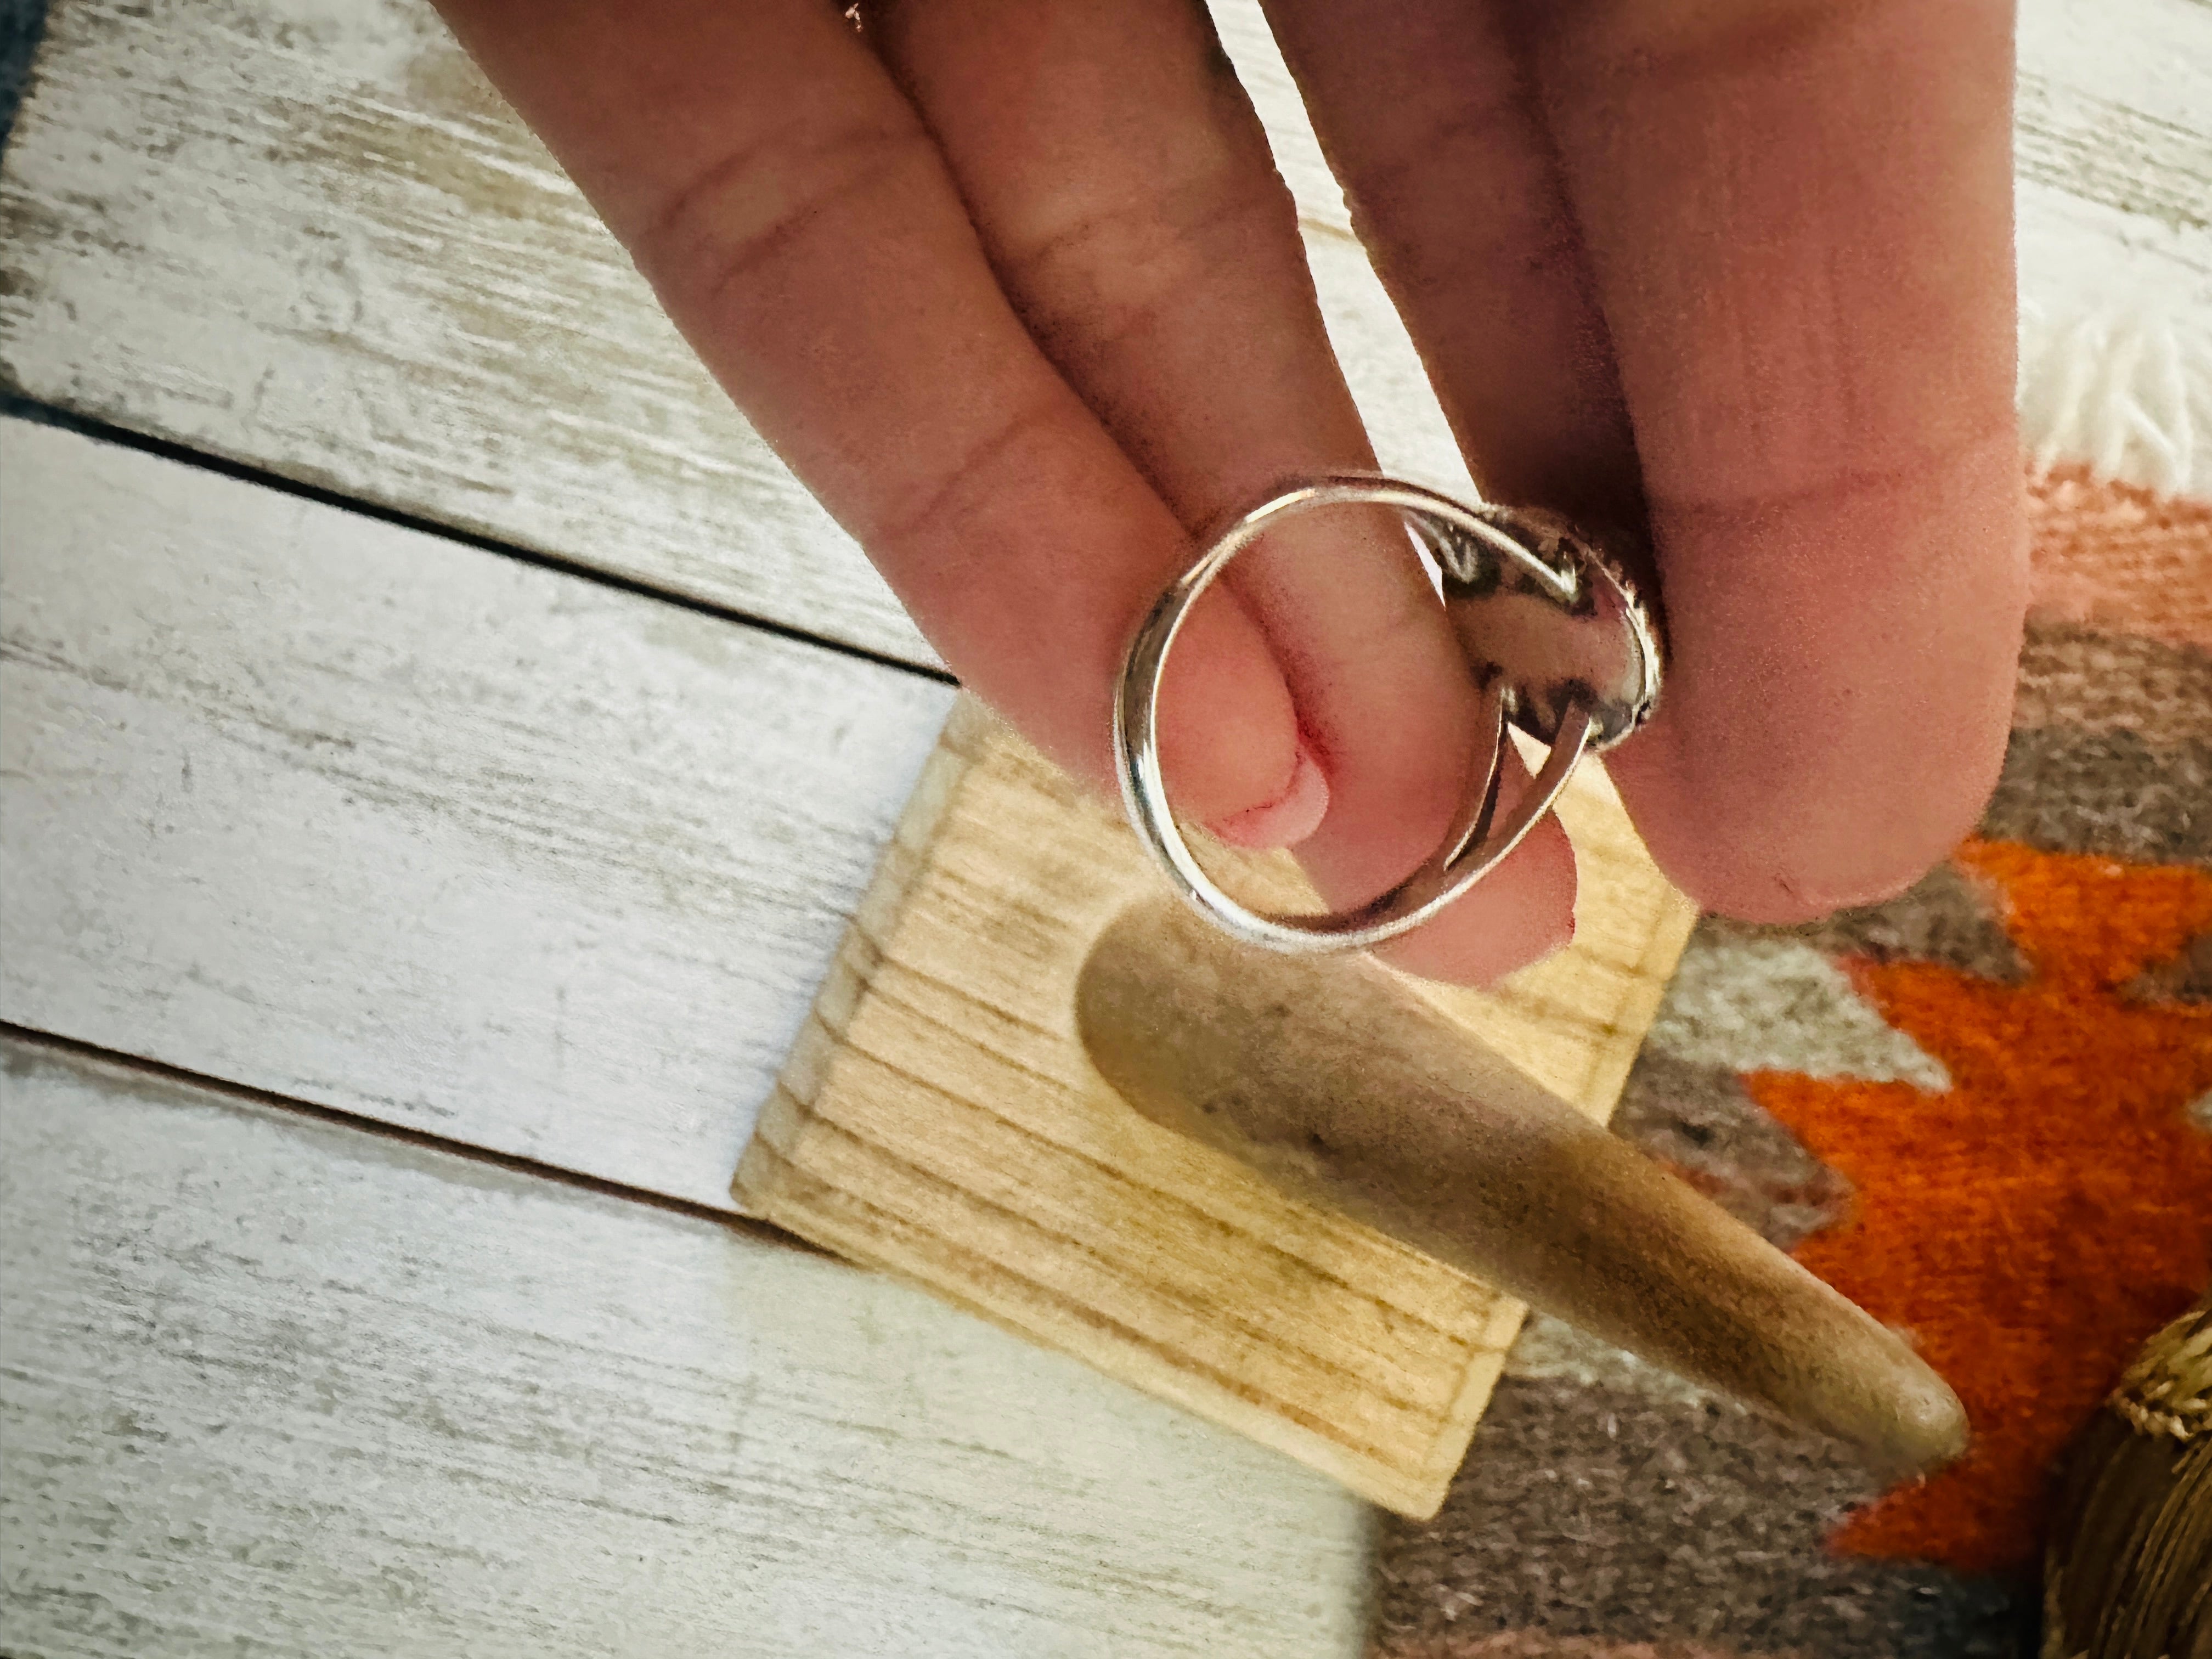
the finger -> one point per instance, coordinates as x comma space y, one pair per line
799, 227
1799, 219
1122, 188
1458, 199
1828, 452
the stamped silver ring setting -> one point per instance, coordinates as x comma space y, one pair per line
1559, 644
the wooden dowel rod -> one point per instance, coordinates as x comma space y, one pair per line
1340, 1085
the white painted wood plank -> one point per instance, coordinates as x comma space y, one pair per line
271, 1385
306, 235
2114, 153
310, 802
337, 256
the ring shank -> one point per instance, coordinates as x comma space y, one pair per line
1479, 839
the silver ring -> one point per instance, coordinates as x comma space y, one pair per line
1559, 643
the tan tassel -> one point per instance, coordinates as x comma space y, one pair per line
2129, 1574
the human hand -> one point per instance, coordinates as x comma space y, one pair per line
1014, 289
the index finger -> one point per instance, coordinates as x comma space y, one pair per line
800, 226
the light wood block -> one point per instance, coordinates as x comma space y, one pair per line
270, 1385
939, 1118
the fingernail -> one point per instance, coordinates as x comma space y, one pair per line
1290, 818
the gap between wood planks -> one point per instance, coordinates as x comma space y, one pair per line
14, 404
382, 1129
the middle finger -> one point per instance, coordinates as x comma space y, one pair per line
1123, 190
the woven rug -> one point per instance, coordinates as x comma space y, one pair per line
1983, 1111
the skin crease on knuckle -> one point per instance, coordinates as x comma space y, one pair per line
979, 507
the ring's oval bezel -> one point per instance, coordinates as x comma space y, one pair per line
1479, 841
1601, 647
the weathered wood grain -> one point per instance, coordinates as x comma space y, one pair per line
303, 800
340, 258
2114, 155
308, 237
271, 1386
941, 1118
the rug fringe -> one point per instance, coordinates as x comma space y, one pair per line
2124, 390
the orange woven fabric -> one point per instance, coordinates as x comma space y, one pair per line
2031, 1224
1982, 1110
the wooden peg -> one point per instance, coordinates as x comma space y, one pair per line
1343, 1088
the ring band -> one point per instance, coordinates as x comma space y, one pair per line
1559, 643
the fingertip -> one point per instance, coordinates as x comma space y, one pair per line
1289, 818
1767, 845
1229, 744
1515, 917
1839, 694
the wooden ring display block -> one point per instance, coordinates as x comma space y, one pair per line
939, 1119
